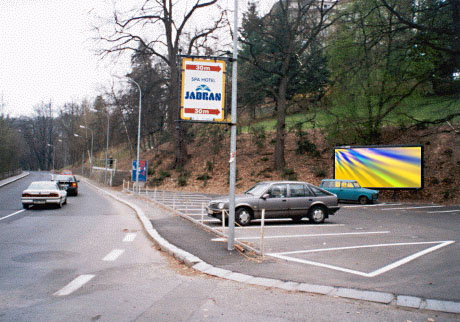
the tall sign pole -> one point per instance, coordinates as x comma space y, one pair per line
231, 219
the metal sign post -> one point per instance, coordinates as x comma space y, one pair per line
231, 218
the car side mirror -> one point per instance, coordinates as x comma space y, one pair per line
78, 180
265, 196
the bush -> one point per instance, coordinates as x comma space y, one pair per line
204, 177
289, 174
182, 179
209, 166
303, 144
258, 136
320, 172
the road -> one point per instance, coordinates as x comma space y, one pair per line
90, 261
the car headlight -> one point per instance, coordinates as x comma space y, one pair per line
220, 205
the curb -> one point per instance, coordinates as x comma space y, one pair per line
199, 265
22, 175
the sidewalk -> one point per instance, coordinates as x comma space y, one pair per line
6, 181
192, 245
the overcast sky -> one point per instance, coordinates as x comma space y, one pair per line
46, 53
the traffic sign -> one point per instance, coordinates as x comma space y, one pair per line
203, 90
142, 171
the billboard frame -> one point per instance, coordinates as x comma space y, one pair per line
422, 162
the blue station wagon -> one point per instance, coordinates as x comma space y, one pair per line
350, 190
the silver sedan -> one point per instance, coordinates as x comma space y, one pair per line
280, 199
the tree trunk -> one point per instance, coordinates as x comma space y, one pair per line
281, 126
178, 129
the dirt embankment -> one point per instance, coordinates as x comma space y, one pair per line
208, 166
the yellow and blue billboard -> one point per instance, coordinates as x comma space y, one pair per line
380, 167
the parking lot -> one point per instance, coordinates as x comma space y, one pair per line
386, 245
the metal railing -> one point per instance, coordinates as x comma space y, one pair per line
11, 173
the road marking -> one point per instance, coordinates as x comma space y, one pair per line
129, 237
17, 212
405, 208
376, 205
306, 235
113, 255
288, 226
442, 211
355, 272
74, 285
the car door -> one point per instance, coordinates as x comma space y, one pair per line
276, 203
347, 192
334, 187
300, 199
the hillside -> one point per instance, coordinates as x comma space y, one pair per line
208, 172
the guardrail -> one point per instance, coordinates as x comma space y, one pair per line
11, 173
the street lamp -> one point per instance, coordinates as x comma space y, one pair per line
107, 141
91, 154
138, 132
83, 153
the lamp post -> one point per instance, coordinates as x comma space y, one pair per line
138, 132
107, 141
91, 154
83, 153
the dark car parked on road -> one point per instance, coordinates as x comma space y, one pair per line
280, 199
68, 182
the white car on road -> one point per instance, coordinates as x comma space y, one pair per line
43, 192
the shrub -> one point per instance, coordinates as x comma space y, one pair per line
182, 179
289, 174
320, 172
258, 136
209, 166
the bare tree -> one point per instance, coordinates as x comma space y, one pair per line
168, 20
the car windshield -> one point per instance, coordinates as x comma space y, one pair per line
63, 178
42, 186
356, 185
258, 189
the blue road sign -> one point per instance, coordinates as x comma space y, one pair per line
142, 171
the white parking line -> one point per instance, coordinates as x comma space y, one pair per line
129, 237
306, 235
418, 207
74, 285
287, 226
113, 255
355, 272
15, 213
442, 211
375, 205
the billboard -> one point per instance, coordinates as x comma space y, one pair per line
380, 167
203, 90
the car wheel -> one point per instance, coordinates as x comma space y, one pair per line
363, 200
25, 206
65, 202
243, 216
59, 205
317, 214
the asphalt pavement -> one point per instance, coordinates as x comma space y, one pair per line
93, 260
393, 253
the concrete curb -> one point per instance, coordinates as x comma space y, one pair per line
22, 175
196, 263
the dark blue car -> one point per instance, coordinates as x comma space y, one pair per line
350, 190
